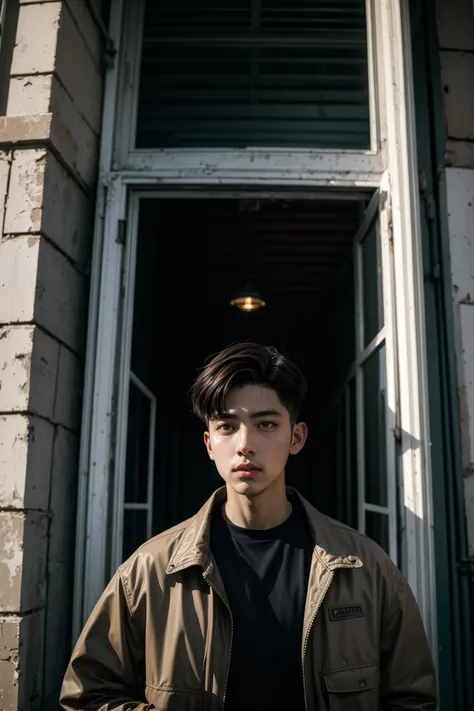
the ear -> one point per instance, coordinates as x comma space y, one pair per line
298, 437
207, 442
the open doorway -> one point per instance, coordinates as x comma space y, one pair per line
318, 266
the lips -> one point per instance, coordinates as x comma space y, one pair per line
246, 469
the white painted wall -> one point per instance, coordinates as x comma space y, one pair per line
460, 199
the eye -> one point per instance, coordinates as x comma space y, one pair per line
225, 427
267, 425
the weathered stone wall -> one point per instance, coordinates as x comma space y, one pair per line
49, 142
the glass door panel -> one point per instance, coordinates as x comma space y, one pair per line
375, 404
372, 285
364, 410
374, 356
137, 515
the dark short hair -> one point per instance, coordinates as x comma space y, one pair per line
247, 363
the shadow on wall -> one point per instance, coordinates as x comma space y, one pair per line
35, 645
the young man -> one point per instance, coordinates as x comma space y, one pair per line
259, 602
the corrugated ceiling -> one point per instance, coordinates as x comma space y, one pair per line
293, 251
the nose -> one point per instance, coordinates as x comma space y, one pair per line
245, 447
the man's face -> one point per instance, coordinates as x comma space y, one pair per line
251, 441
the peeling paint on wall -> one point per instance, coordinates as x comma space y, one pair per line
24, 204
47, 213
11, 558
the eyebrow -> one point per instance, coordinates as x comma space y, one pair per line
253, 415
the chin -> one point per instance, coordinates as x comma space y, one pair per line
248, 488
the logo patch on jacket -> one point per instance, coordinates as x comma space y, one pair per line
345, 612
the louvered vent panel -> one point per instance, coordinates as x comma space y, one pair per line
267, 73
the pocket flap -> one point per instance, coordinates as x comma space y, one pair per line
344, 681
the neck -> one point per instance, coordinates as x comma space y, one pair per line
268, 509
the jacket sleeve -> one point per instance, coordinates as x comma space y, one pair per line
105, 671
408, 679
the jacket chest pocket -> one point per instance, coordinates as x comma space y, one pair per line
354, 688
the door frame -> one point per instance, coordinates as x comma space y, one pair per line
376, 212
118, 180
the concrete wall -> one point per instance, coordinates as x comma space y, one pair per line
456, 46
49, 142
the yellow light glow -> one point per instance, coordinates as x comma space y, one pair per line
248, 303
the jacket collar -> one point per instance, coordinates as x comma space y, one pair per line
332, 545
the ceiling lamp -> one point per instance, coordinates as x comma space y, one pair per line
248, 299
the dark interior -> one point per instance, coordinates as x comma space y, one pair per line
193, 255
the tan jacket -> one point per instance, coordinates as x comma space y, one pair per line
160, 636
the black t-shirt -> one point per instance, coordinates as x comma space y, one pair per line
265, 575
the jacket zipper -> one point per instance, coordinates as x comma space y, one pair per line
231, 634
306, 640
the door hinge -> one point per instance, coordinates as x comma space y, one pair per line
108, 47
428, 197
390, 223
386, 205
109, 54
121, 232
397, 428
466, 567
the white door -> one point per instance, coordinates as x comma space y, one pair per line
362, 421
